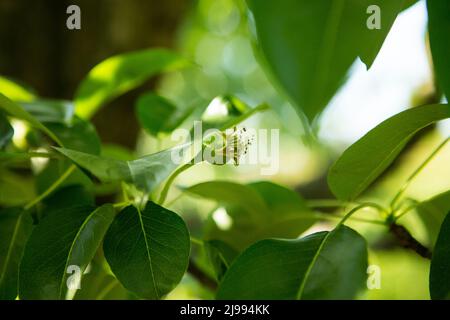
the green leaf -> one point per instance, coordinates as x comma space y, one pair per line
439, 29
67, 197
373, 39
107, 170
230, 108
324, 265
440, 264
258, 210
7, 157
14, 91
15, 227
15, 189
98, 284
6, 131
157, 114
146, 172
226, 192
53, 171
148, 250
79, 135
237, 119
367, 158
408, 3
16, 111
309, 46
220, 255
44, 110
63, 238
226, 111
116, 151
432, 212
119, 74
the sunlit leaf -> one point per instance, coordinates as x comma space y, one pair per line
15, 227
65, 238
309, 46
15, 91
119, 74
367, 158
439, 30
324, 265
440, 264
148, 250
78, 135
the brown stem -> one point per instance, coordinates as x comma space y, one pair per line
201, 276
408, 241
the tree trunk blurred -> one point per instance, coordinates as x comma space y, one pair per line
37, 49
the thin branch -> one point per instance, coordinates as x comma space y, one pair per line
408, 241
201, 276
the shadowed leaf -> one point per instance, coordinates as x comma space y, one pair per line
157, 114
148, 250
15, 227
258, 210
439, 30
69, 237
440, 264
